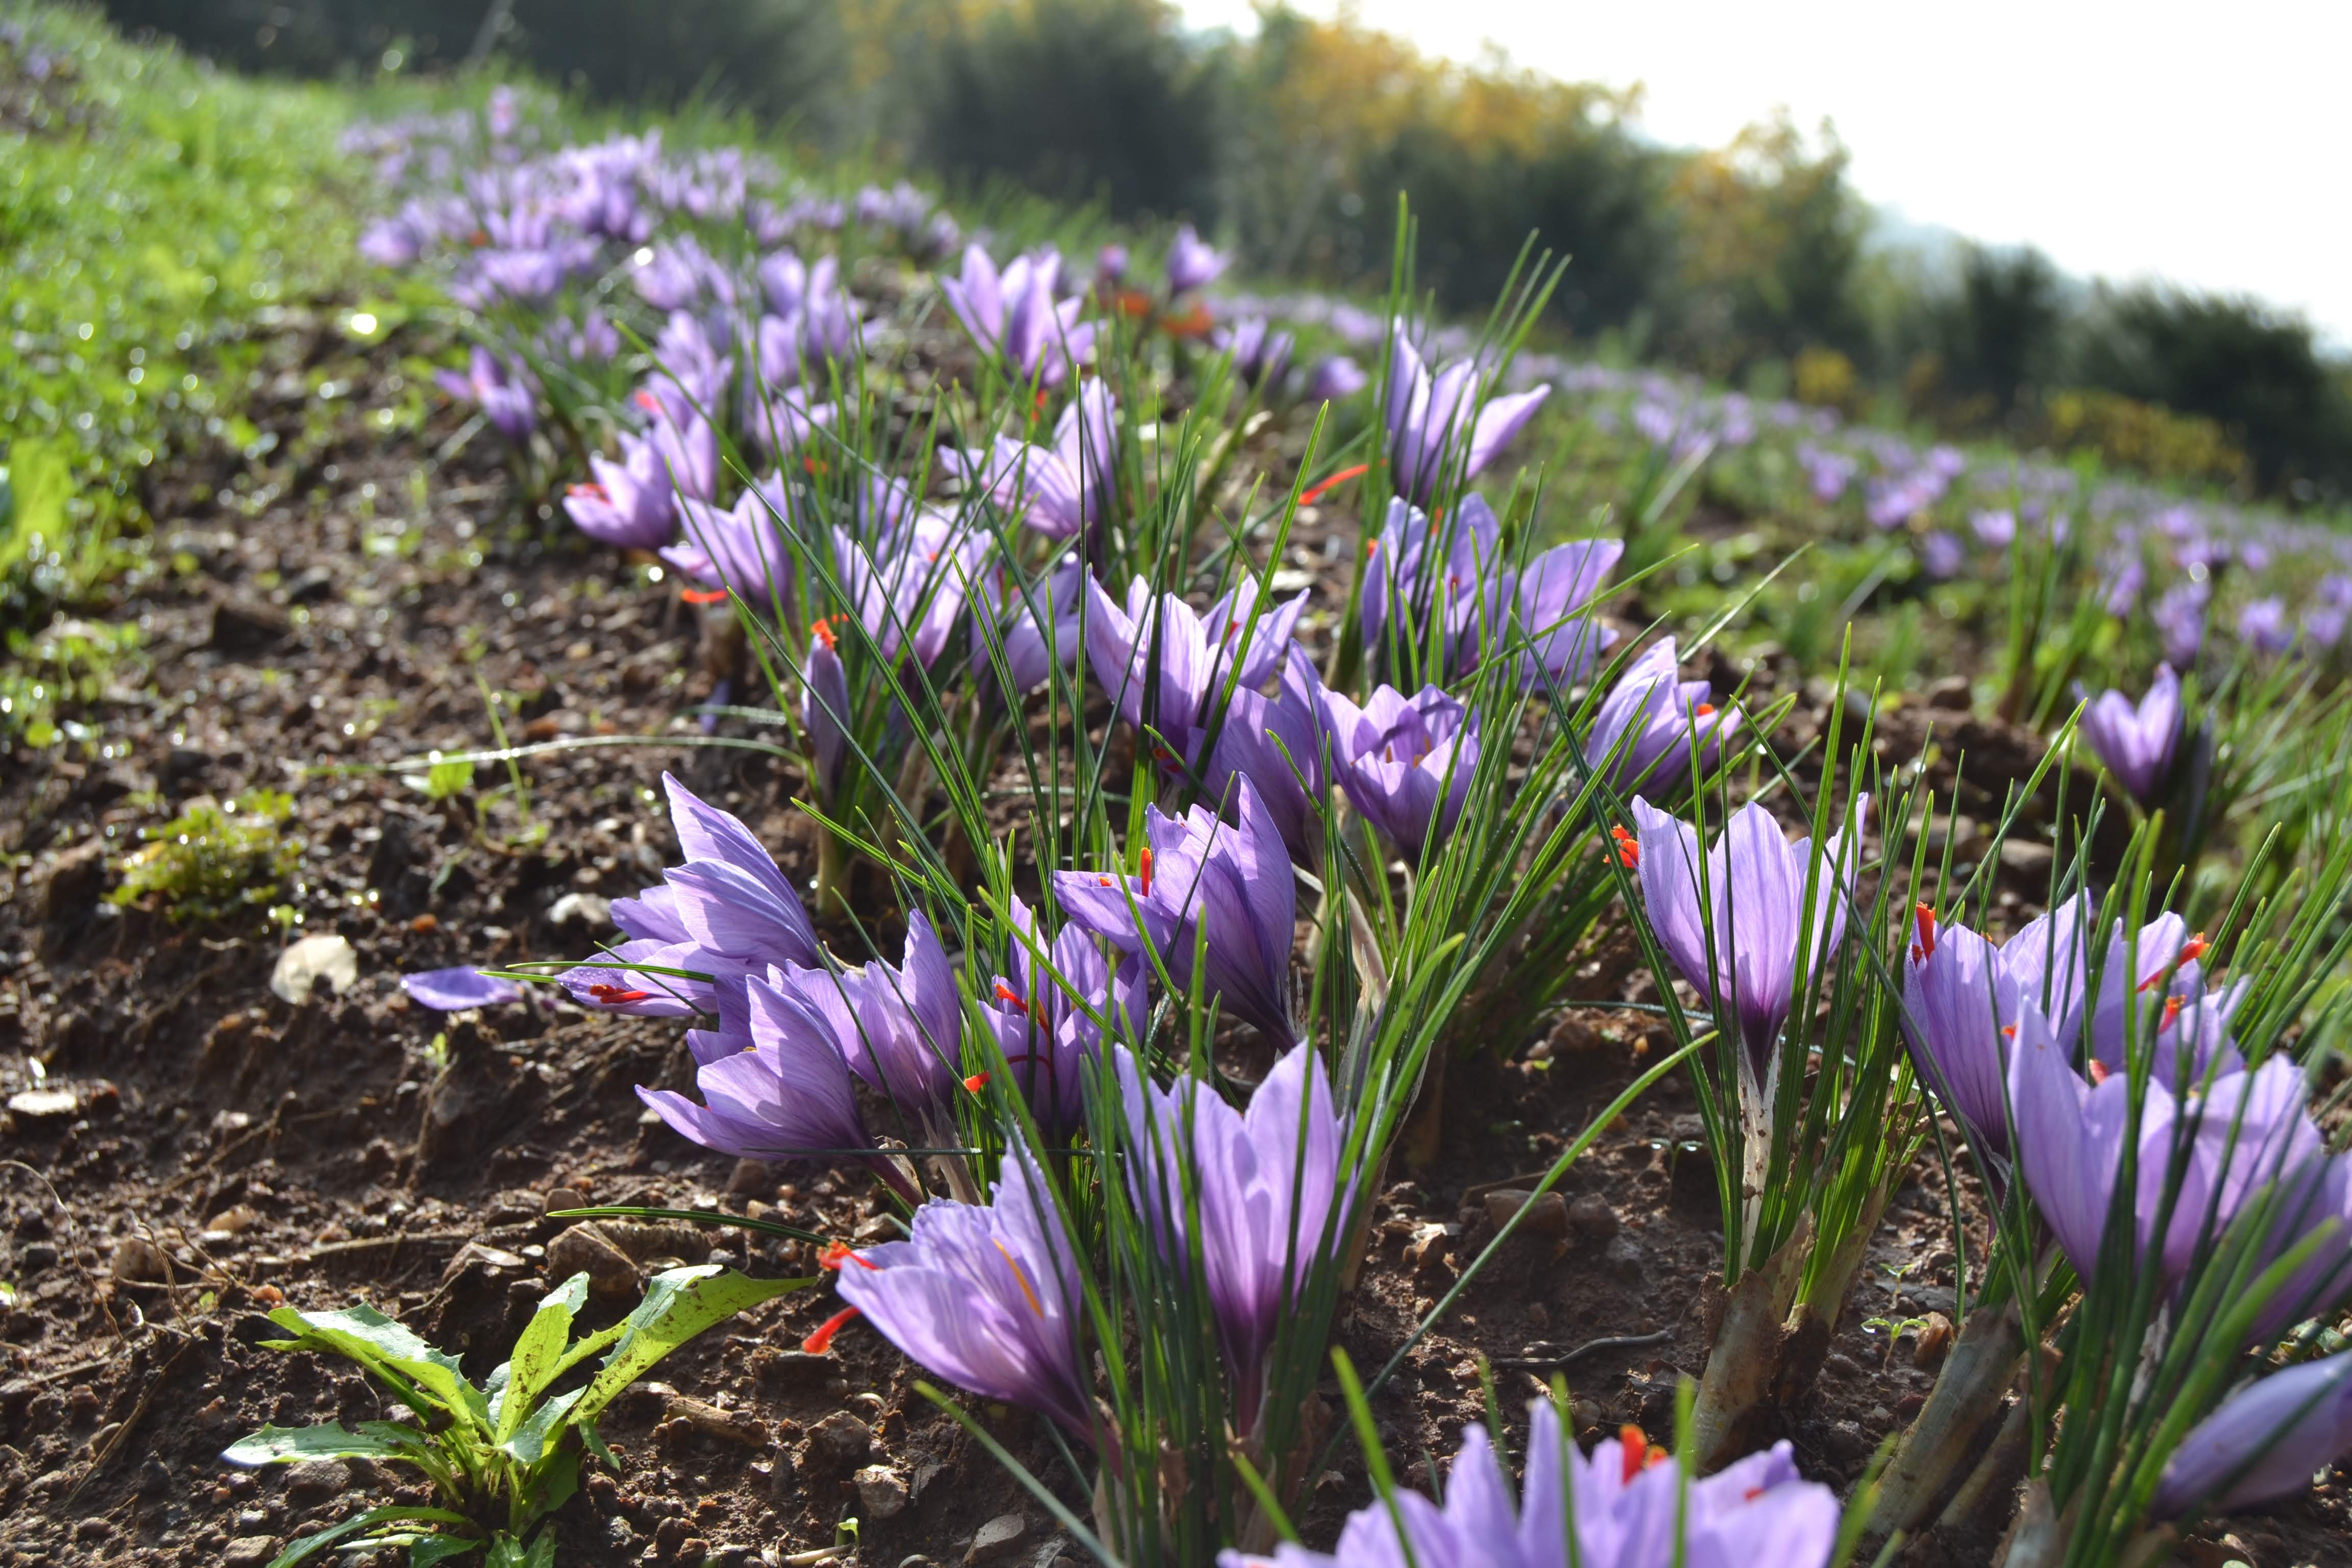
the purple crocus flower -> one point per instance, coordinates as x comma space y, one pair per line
1630, 1509
1049, 1020
909, 589
1942, 556
986, 1297
1643, 733
682, 439
1994, 530
2263, 626
1266, 1182
1405, 762
1754, 906
2263, 1443
1274, 736
899, 1030
504, 397
1961, 998
825, 712
1014, 315
1019, 638
2137, 743
628, 504
1060, 490
1335, 378
1238, 640
1432, 422
1192, 264
727, 912
1198, 874
2249, 1128
1260, 353
1452, 576
774, 1086
2179, 618
458, 990
742, 548
2180, 1026
1110, 264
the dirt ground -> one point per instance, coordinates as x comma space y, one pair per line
207, 1149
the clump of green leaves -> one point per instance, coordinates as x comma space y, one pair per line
214, 860
68, 664
504, 1455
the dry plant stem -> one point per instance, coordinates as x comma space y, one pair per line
1746, 1357
1993, 1482
1965, 1400
2037, 1537
1421, 1131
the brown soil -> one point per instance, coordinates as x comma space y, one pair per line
224, 1149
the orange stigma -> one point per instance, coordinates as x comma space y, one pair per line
1636, 1448
1006, 994
1315, 491
975, 1083
702, 595
616, 996
821, 628
1146, 871
2171, 1012
837, 1253
595, 493
1704, 710
2197, 948
1923, 920
821, 1342
2098, 1070
1629, 848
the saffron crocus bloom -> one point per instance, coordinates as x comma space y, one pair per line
1192, 264
1166, 667
727, 912
1274, 736
1059, 491
1629, 1498
1755, 906
986, 1297
1451, 578
2250, 1127
1013, 315
1645, 728
824, 711
909, 589
1405, 762
1049, 1021
2263, 626
774, 1086
1432, 422
2265, 1442
1199, 874
2179, 1023
2137, 741
1961, 996
1020, 638
1267, 1184
900, 1029
1335, 378
742, 548
457, 990
628, 504
504, 397
1260, 353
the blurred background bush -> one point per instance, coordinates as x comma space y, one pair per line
1754, 262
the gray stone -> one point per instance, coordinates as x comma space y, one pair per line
996, 1538
249, 1551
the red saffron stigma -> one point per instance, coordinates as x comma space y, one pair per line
975, 1083
2171, 1012
821, 1342
1636, 1447
645, 400
1629, 848
813, 465
1146, 871
1924, 918
596, 491
1704, 710
1315, 491
1104, 881
614, 995
1005, 994
702, 595
837, 1253
2197, 948
2009, 1031
821, 628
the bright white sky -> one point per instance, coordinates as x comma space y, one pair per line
2203, 144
